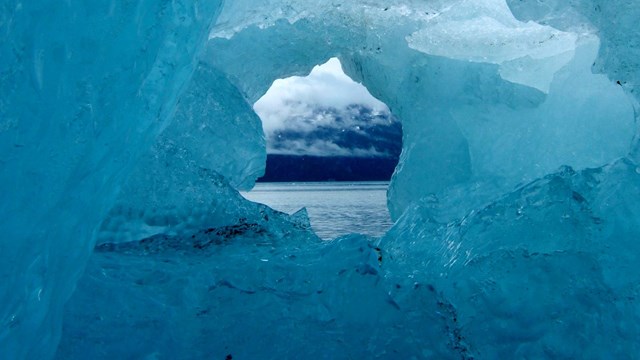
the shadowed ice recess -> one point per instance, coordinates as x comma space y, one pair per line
127, 131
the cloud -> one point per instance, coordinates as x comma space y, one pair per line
355, 131
296, 97
326, 114
327, 148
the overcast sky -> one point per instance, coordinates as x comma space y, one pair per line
295, 97
293, 106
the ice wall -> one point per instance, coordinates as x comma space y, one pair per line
515, 195
85, 88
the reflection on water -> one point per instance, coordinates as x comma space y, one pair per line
335, 208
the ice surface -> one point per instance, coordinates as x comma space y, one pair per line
254, 295
516, 194
85, 88
179, 186
486, 31
543, 271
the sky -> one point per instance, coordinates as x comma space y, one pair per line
313, 115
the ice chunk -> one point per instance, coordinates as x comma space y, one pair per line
531, 270
213, 117
301, 218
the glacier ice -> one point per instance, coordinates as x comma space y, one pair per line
126, 130
487, 32
176, 187
85, 88
537, 273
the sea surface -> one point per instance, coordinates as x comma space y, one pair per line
335, 208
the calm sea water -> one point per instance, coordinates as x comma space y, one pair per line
335, 208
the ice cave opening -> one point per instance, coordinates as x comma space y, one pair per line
331, 149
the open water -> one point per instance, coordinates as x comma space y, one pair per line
335, 208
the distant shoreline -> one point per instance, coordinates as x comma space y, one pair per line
306, 168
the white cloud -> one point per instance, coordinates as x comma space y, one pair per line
297, 97
324, 148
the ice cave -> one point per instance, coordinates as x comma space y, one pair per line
127, 130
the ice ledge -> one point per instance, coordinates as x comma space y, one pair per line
483, 31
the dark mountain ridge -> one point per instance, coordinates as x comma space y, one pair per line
357, 144
294, 168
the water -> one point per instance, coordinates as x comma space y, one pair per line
335, 208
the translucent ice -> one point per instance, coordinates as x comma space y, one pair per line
85, 88
540, 272
516, 194
486, 31
179, 186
